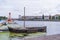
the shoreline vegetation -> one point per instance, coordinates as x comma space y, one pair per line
3, 17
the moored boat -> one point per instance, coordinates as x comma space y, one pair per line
17, 30
27, 29
4, 28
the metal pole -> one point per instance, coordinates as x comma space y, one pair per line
24, 16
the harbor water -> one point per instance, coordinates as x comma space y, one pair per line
52, 28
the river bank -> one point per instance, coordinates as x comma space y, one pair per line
50, 37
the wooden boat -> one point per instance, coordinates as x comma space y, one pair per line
17, 30
21, 30
28, 30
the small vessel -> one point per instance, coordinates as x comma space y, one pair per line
27, 29
17, 30
4, 28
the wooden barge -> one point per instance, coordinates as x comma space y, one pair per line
28, 29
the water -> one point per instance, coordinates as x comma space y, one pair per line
4, 36
52, 28
15, 36
7, 36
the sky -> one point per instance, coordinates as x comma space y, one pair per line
32, 7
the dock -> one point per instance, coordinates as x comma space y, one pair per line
50, 37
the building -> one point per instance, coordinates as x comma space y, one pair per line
35, 17
32, 17
19, 17
46, 17
57, 16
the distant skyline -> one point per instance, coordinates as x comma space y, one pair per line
33, 7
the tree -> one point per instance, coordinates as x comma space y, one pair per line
3, 17
53, 17
43, 17
49, 17
59, 17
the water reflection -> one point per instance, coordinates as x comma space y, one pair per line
7, 36
4, 35
17, 36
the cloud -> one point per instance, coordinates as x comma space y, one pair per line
33, 7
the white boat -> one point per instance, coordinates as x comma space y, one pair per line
4, 28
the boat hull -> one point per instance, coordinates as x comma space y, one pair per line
28, 30
16, 30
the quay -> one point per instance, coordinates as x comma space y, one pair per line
50, 37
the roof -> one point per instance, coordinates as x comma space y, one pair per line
57, 15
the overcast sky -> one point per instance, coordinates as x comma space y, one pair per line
33, 7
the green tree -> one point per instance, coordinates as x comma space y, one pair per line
3, 17
43, 17
49, 17
59, 17
53, 17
